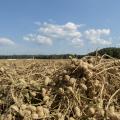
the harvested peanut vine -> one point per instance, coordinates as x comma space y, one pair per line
85, 89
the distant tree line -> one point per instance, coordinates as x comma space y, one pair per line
112, 51
63, 56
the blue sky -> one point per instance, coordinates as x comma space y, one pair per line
58, 26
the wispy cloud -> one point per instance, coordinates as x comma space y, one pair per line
39, 39
37, 23
6, 41
96, 36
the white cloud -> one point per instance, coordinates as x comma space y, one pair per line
47, 33
6, 41
96, 36
77, 42
38, 39
71, 26
69, 32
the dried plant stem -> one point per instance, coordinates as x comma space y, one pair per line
110, 100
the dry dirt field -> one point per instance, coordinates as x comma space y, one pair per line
86, 89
